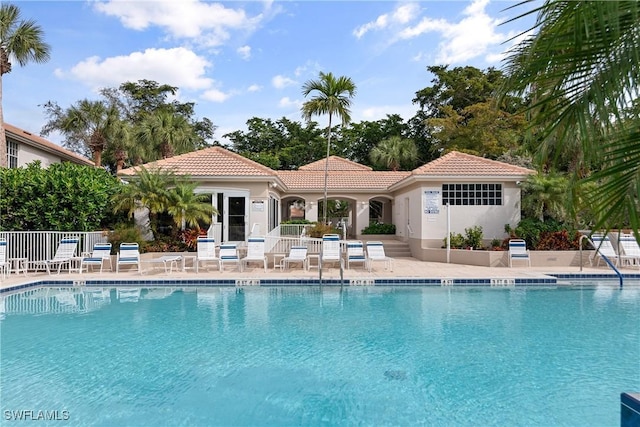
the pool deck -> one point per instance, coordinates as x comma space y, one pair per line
404, 268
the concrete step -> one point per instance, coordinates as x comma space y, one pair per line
396, 249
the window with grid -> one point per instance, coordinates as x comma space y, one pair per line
12, 154
472, 194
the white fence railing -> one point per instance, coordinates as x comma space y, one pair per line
42, 245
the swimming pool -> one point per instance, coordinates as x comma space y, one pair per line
321, 356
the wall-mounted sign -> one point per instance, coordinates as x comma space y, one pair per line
257, 206
432, 202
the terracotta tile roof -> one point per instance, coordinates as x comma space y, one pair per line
461, 164
335, 164
41, 143
340, 180
213, 161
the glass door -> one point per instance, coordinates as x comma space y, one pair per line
236, 219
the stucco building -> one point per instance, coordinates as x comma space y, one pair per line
24, 147
454, 192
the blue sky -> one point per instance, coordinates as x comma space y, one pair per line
237, 60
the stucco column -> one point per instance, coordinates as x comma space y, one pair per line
362, 217
311, 211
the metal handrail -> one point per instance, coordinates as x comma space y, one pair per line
604, 257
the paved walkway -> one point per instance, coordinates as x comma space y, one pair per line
403, 268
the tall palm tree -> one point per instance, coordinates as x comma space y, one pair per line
333, 97
580, 69
393, 152
21, 41
165, 134
87, 125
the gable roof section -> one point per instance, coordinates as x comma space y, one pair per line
212, 161
335, 164
340, 180
24, 137
462, 164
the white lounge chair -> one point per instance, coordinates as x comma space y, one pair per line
518, 251
65, 252
255, 252
129, 254
5, 266
206, 252
375, 252
101, 253
603, 248
356, 254
630, 250
331, 250
229, 255
297, 254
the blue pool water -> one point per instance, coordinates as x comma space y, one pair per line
321, 356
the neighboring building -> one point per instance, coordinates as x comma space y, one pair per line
251, 197
23, 148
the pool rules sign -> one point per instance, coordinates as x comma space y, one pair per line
432, 202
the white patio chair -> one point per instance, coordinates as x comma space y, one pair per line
206, 252
129, 254
229, 255
65, 252
630, 253
518, 251
5, 266
356, 254
101, 253
603, 248
255, 252
331, 250
375, 252
297, 254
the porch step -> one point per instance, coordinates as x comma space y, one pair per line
396, 249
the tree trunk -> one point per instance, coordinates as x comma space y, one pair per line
3, 136
326, 172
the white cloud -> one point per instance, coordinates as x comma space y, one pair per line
254, 88
244, 52
281, 81
287, 102
215, 95
472, 36
207, 23
401, 15
178, 67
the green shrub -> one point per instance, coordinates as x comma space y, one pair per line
125, 235
380, 228
319, 229
61, 197
473, 237
457, 241
296, 221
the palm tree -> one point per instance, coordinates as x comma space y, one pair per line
166, 134
189, 208
20, 41
580, 69
393, 152
545, 196
91, 125
333, 97
150, 190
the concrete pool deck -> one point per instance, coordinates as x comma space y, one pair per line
409, 268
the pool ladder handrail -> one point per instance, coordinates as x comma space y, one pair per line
604, 257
